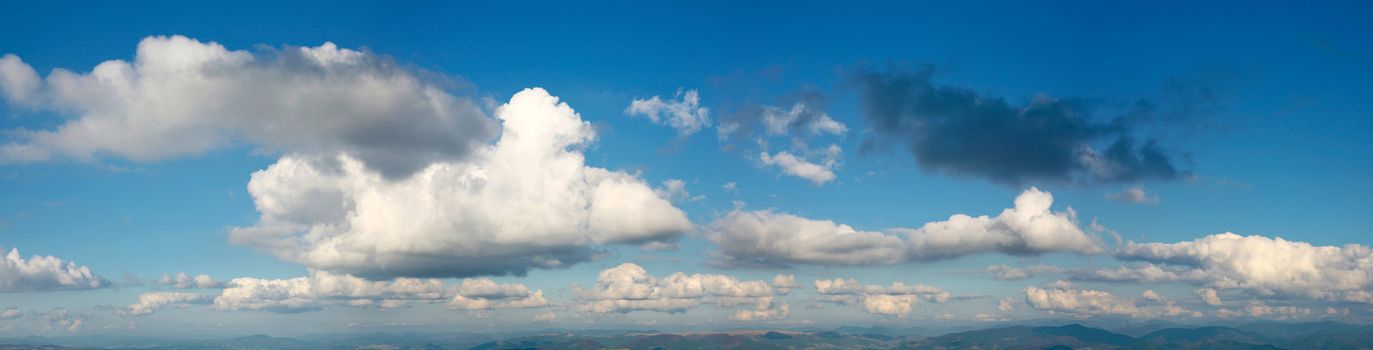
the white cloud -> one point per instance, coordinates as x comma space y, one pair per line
153, 301
1135, 195
184, 281
1150, 295
779, 239
182, 97
628, 287
896, 299
1209, 296
684, 114
529, 201
10, 313
1030, 228
321, 289
1062, 298
790, 164
1257, 309
43, 273
485, 294
675, 190
1262, 265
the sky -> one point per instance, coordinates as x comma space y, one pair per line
251, 167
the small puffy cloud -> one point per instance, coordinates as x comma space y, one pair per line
764, 309
461, 219
893, 300
1062, 298
10, 313
1135, 195
485, 294
777, 239
181, 97
1262, 265
153, 301
1006, 305
184, 281
675, 190
684, 114
321, 289
63, 319
1209, 296
628, 287
816, 173
44, 273
1150, 295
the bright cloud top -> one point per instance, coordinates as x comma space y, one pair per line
43, 273
180, 96
1258, 264
770, 238
529, 201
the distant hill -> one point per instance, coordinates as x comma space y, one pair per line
1257, 336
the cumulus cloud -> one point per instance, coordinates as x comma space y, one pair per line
961, 131
1257, 309
184, 281
44, 273
1261, 265
769, 238
896, 299
1062, 298
485, 294
10, 313
545, 317
790, 164
321, 289
1134, 195
628, 287
528, 201
800, 124
1209, 296
684, 114
153, 301
180, 97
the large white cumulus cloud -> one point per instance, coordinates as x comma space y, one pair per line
180, 96
42, 273
528, 201
1257, 264
1029, 228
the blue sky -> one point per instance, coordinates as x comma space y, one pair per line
1276, 146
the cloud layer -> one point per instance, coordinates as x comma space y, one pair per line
183, 97
776, 239
528, 201
628, 287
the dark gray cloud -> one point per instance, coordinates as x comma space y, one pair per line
960, 131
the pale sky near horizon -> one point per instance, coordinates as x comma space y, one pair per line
234, 168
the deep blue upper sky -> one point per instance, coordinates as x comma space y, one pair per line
1285, 151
